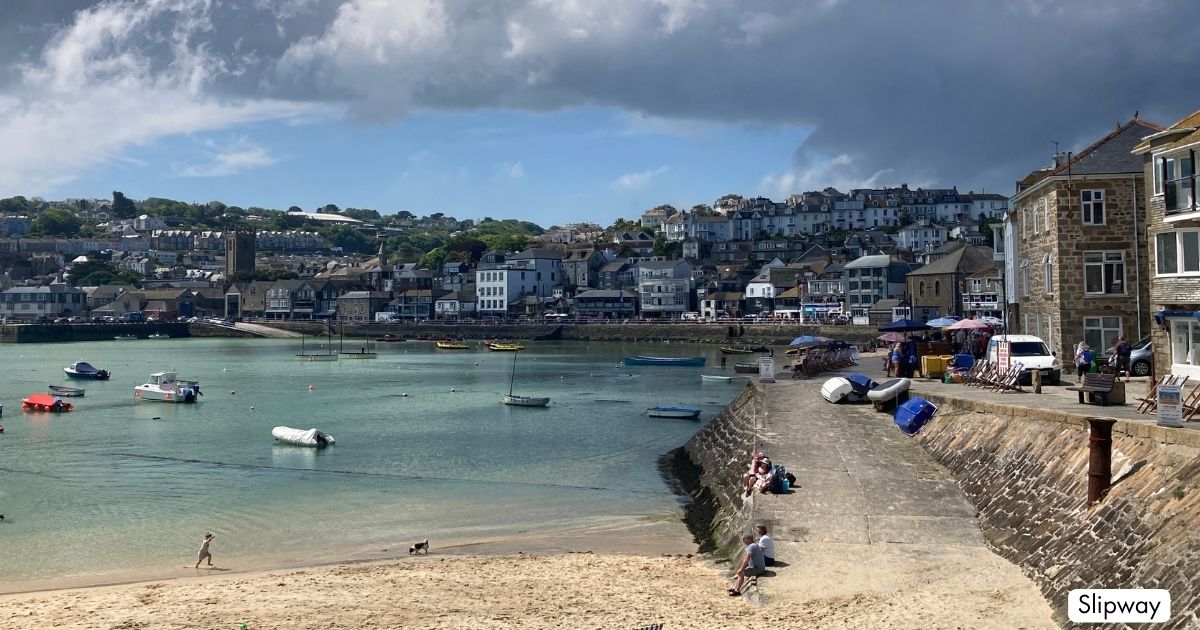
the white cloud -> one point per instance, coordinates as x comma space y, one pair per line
516, 170
815, 173
239, 155
636, 181
95, 92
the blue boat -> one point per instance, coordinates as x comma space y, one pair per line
642, 360
690, 413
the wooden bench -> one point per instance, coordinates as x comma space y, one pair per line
1098, 384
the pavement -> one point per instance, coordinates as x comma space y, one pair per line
875, 521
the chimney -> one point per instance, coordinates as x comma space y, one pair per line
1059, 159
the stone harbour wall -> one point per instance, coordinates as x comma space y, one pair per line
709, 469
1026, 472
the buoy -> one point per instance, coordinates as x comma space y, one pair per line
453, 390
251, 407
231, 392
404, 395
476, 364
310, 388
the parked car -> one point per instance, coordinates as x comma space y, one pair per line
1032, 353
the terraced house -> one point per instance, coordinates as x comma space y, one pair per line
1168, 159
1079, 245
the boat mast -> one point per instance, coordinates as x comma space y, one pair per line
514, 373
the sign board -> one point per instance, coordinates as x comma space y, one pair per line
1004, 356
766, 370
1170, 406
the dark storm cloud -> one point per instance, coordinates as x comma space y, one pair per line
934, 92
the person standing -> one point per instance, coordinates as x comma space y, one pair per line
1122, 350
753, 563
1083, 361
204, 553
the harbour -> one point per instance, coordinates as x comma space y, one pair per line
119, 488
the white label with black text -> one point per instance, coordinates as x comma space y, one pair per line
1119, 605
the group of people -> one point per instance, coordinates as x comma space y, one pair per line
756, 557
1118, 359
765, 477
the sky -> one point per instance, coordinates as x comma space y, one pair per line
555, 111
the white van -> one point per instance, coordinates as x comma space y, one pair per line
1032, 353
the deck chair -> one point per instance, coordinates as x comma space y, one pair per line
1010, 381
987, 376
1149, 404
972, 375
1191, 403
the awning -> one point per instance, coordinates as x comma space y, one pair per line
1161, 316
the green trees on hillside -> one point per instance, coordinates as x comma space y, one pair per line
55, 222
97, 272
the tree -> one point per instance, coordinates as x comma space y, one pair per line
295, 209
362, 214
15, 205
127, 276
55, 222
330, 208
122, 207
347, 238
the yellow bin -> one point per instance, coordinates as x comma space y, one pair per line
933, 366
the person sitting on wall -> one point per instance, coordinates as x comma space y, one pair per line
760, 470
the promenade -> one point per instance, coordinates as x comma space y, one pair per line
876, 524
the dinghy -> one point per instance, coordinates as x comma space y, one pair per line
63, 390
302, 437
886, 395
690, 413
45, 402
837, 389
715, 378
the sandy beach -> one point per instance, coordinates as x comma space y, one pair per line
568, 590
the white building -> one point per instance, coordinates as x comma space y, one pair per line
502, 280
665, 287
920, 236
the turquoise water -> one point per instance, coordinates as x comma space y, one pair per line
118, 488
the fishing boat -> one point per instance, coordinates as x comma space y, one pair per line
689, 413
302, 437
63, 390
329, 355
166, 387
681, 361
504, 346
390, 338
745, 368
364, 351
452, 345
715, 378
125, 338
83, 369
45, 402
521, 401
159, 336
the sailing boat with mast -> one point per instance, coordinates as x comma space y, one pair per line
365, 351
329, 354
521, 401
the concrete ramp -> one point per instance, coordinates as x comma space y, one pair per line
266, 331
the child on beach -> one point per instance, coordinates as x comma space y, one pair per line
766, 544
204, 552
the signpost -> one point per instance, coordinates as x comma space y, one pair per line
1004, 356
766, 370
1170, 406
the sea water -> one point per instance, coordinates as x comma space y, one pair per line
122, 489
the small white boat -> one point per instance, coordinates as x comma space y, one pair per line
166, 387
159, 336
525, 401
125, 338
65, 391
838, 389
690, 413
715, 378
302, 437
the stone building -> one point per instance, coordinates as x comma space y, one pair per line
1080, 245
1173, 232
937, 289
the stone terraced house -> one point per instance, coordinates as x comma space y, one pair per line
1168, 159
1079, 228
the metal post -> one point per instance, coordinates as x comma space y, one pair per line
1099, 458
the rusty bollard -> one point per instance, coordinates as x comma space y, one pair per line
1099, 458
1035, 379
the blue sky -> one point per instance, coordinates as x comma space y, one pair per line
572, 110
577, 164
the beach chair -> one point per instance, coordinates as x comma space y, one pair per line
971, 376
986, 376
1011, 381
1149, 404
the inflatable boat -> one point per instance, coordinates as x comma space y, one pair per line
889, 393
45, 402
302, 437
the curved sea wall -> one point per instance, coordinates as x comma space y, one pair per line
709, 469
1026, 471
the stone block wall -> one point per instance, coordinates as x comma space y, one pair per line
1027, 476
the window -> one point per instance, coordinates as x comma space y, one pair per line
1177, 252
1024, 279
1104, 273
1024, 221
937, 288
1093, 206
922, 289
1185, 342
1158, 177
1179, 182
1047, 273
1036, 218
1046, 213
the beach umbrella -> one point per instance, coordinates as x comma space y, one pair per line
903, 325
968, 324
808, 340
892, 337
941, 322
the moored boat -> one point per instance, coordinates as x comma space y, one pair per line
452, 345
166, 387
715, 378
525, 401
125, 338
63, 390
159, 336
679, 361
504, 346
690, 413
302, 437
729, 350
745, 368
83, 369
45, 402
390, 338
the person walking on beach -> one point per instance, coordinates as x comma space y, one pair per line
753, 563
205, 554
766, 544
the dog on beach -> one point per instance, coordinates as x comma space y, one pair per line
419, 547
